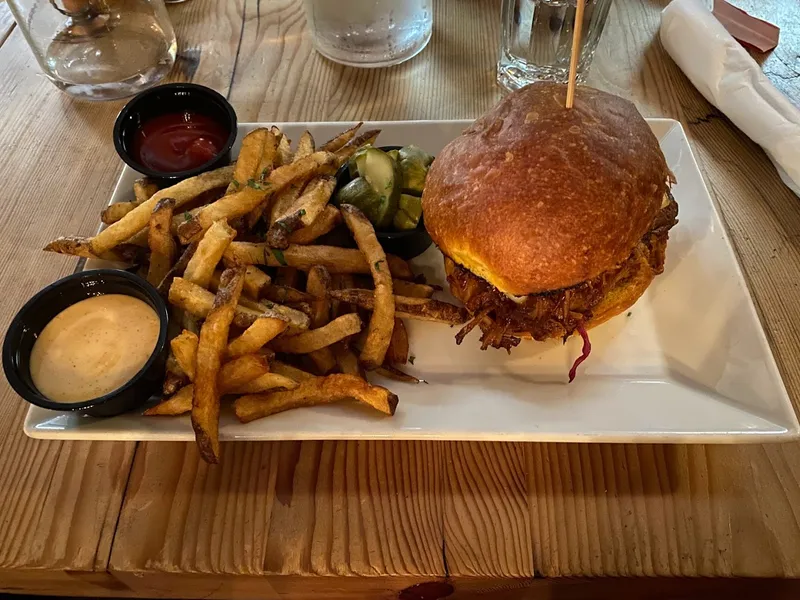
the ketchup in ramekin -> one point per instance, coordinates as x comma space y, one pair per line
175, 131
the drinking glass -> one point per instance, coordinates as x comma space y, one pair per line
99, 49
369, 33
536, 40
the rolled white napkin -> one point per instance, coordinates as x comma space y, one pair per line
732, 81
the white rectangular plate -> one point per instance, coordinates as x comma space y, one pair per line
688, 363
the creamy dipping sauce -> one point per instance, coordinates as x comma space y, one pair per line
93, 347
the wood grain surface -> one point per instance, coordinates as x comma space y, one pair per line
387, 519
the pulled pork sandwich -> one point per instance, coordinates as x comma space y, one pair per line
551, 220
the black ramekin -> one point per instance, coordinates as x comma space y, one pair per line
44, 306
173, 97
405, 244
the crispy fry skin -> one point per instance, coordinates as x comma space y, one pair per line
324, 223
137, 219
398, 347
249, 159
303, 212
335, 259
391, 372
379, 331
163, 249
143, 189
420, 309
346, 151
319, 390
268, 381
256, 336
411, 289
340, 140
184, 348
213, 341
305, 145
82, 246
209, 252
291, 372
232, 376
314, 339
198, 302
253, 194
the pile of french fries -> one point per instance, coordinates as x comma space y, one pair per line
261, 314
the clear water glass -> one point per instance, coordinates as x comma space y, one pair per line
369, 33
99, 49
536, 41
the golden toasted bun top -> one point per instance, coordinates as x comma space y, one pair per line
534, 197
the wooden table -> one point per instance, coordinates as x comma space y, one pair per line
150, 519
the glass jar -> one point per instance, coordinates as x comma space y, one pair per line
99, 49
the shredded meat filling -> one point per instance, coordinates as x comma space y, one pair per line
557, 313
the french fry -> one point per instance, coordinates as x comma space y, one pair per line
303, 212
411, 289
381, 323
284, 294
253, 194
256, 336
268, 381
398, 347
178, 403
340, 140
324, 223
174, 377
255, 282
163, 249
314, 339
420, 309
142, 190
320, 390
336, 260
249, 159
391, 372
346, 151
285, 154
137, 219
305, 145
268, 158
291, 372
209, 252
213, 341
288, 277
198, 302
184, 349
177, 269
297, 319
280, 204
232, 376
347, 360
318, 284
82, 246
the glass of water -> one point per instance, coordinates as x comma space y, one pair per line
99, 49
369, 33
537, 40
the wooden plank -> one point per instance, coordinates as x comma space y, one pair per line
322, 508
486, 515
58, 500
6, 22
279, 77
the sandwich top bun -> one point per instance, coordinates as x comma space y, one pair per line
534, 197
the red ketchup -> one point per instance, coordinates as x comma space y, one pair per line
178, 141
